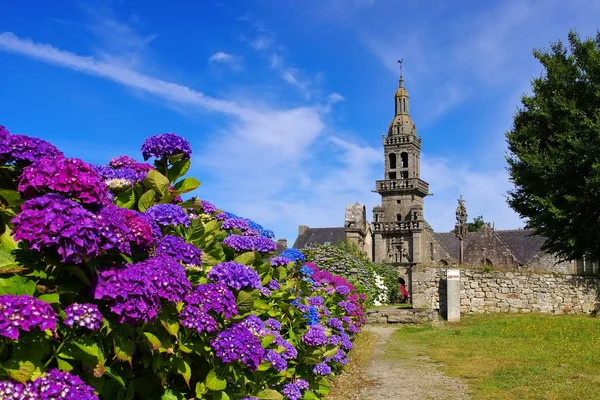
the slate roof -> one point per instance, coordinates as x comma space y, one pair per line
320, 236
522, 242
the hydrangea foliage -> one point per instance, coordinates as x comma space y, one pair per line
120, 287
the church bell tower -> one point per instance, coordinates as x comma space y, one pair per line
398, 222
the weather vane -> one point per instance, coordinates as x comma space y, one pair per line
400, 62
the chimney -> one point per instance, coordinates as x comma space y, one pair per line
302, 229
282, 243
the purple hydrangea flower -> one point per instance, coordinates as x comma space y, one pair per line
276, 360
250, 232
23, 312
280, 261
290, 351
343, 290
135, 291
250, 243
255, 325
346, 343
208, 207
122, 162
17, 391
84, 316
177, 248
334, 340
292, 391
62, 385
114, 232
348, 306
273, 324
302, 384
70, 177
235, 223
352, 329
168, 214
25, 150
166, 144
51, 222
238, 343
203, 299
322, 369
264, 291
316, 301
315, 336
273, 285
235, 275
335, 323
347, 319
194, 317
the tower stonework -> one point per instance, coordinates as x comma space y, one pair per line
398, 224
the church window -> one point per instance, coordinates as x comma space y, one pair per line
404, 175
376, 217
404, 105
392, 157
442, 262
398, 201
404, 160
398, 217
392, 175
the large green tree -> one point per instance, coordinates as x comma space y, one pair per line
554, 150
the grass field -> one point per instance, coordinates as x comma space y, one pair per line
509, 356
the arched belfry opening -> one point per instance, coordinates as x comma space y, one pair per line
403, 160
392, 157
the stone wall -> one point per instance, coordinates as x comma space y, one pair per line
482, 292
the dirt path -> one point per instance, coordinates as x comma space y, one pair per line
413, 378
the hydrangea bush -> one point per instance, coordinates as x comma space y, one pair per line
114, 287
378, 281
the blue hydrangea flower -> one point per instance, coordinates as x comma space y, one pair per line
312, 316
293, 254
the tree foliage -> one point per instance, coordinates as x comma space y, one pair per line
477, 224
554, 150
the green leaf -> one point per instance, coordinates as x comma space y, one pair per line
17, 285
268, 394
146, 200
308, 395
246, 258
200, 390
89, 347
245, 301
213, 382
183, 369
157, 181
220, 396
280, 274
113, 374
179, 169
124, 348
154, 341
267, 340
186, 185
12, 197
50, 298
78, 272
170, 326
7, 241
126, 199
63, 365
21, 371
331, 353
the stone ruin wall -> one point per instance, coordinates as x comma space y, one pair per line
482, 292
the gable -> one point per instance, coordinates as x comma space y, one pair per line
320, 236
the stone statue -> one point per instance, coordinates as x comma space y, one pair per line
461, 212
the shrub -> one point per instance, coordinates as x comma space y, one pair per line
379, 282
119, 289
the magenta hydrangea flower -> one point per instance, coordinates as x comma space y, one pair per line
25, 150
250, 243
84, 315
164, 145
322, 369
315, 336
177, 248
62, 385
71, 177
237, 343
168, 214
135, 291
22, 313
53, 223
235, 275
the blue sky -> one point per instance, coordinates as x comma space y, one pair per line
284, 102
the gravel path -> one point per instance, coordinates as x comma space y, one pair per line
413, 378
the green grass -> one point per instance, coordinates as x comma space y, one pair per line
508, 356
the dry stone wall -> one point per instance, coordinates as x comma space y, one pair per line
482, 292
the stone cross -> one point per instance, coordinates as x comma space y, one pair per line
461, 228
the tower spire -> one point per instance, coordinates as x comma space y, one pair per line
401, 83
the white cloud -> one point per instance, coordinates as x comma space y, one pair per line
221, 57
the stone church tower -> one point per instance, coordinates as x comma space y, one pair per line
398, 224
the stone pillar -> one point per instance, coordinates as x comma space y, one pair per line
453, 293
417, 255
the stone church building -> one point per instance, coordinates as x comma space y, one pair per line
400, 236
